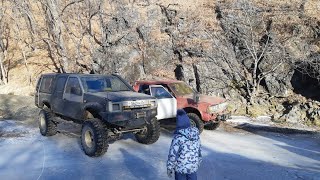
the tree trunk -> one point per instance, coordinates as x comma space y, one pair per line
4, 72
56, 31
26, 65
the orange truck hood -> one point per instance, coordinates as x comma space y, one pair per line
211, 100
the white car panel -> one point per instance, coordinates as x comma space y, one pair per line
167, 104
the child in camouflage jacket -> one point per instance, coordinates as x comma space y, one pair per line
185, 151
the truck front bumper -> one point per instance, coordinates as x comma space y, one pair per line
215, 117
223, 117
129, 119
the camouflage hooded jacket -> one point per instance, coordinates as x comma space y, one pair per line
185, 151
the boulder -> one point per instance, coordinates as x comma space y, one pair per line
293, 116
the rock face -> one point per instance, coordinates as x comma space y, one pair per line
246, 51
181, 40
197, 42
211, 46
295, 109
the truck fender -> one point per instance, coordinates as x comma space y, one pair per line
93, 108
44, 104
193, 110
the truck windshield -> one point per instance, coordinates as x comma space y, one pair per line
103, 84
181, 89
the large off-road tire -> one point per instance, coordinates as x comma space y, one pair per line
212, 125
196, 121
94, 136
151, 134
46, 124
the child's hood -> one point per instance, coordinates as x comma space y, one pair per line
191, 133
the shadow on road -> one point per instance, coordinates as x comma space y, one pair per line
256, 128
130, 159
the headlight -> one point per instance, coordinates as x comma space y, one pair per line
116, 107
217, 108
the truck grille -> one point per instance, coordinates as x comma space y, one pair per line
134, 108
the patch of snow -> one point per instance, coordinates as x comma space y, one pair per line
13, 132
10, 126
260, 121
239, 119
263, 118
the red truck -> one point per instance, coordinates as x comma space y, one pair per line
204, 111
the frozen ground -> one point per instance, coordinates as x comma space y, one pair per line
229, 153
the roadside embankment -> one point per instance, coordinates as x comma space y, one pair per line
19, 108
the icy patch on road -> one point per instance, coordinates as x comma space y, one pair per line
233, 156
239, 119
13, 132
261, 120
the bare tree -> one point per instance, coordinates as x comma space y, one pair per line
309, 66
4, 42
255, 46
22, 25
55, 32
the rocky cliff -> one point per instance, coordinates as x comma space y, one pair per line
253, 52
206, 41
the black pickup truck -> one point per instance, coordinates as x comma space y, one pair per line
105, 105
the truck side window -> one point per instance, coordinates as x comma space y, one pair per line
73, 87
167, 88
46, 84
60, 83
160, 93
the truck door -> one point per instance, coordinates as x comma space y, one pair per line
167, 104
57, 97
73, 98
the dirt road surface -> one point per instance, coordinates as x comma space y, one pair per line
239, 154
232, 152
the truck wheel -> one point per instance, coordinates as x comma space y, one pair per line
94, 138
151, 134
46, 125
196, 121
212, 125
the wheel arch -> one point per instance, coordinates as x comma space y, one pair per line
45, 104
193, 110
92, 110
